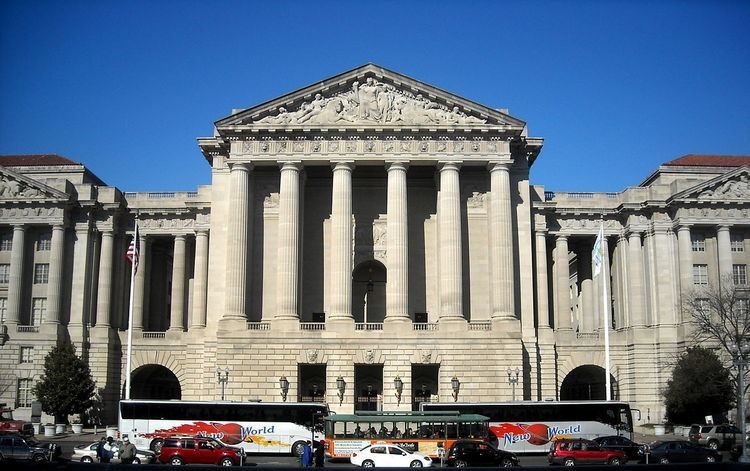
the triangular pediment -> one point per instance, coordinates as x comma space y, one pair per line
17, 187
732, 186
371, 97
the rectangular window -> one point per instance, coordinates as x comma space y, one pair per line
24, 392
738, 242
4, 273
702, 305
27, 355
38, 310
739, 274
699, 242
3, 309
6, 242
700, 274
41, 273
743, 305
45, 242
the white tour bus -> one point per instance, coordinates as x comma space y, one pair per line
529, 427
258, 427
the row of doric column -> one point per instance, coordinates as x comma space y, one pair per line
341, 257
666, 285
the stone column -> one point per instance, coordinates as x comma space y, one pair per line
178, 285
599, 321
139, 290
637, 283
449, 229
501, 243
104, 287
79, 287
341, 242
725, 251
542, 295
54, 286
562, 285
585, 274
397, 294
200, 281
15, 280
287, 284
237, 242
685, 252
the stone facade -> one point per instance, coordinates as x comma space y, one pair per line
366, 227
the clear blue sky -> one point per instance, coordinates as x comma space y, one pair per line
615, 87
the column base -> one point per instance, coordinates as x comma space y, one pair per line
232, 326
174, 334
285, 324
340, 324
397, 324
453, 324
53, 329
506, 326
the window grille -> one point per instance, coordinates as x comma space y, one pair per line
41, 273
700, 274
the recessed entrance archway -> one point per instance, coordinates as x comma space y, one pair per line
586, 383
368, 291
154, 382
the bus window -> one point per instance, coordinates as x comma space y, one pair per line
339, 430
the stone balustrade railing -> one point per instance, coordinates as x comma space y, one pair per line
368, 326
258, 326
312, 326
27, 328
480, 325
424, 326
154, 335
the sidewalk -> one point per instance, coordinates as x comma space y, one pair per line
86, 436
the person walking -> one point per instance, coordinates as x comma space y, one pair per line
307, 455
108, 451
319, 455
127, 451
100, 450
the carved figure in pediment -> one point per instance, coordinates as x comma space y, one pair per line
733, 189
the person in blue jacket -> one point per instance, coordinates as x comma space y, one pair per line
307, 455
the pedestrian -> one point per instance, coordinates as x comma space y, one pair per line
319, 455
107, 450
127, 451
307, 455
100, 450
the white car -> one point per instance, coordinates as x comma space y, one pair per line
87, 454
384, 455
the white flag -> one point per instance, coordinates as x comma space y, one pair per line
598, 253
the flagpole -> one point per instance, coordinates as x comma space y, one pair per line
130, 314
605, 310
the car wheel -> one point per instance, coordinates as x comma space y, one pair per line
663, 460
39, 459
136, 461
226, 461
569, 462
368, 464
713, 444
298, 448
461, 464
710, 459
156, 445
614, 461
415, 464
176, 461
507, 463
87, 459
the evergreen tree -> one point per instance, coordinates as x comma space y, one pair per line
700, 386
66, 387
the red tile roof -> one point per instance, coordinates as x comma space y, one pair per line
31, 160
700, 160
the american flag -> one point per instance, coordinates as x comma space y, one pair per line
132, 253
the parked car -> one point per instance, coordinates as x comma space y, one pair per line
681, 451
478, 453
575, 451
634, 451
9, 425
716, 437
179, 451
17, 447
87, 454
384, 455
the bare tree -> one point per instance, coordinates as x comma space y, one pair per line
719, 314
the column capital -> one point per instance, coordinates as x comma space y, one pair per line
499, 165
562, 237
240, 166
723, 228
681, 227
20, 227
339, 165
397, 164
181, 237
202, 231
290, 165
449, 165
633, 233
541, 232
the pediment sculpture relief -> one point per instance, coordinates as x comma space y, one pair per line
733, 189
372, 102
11, 188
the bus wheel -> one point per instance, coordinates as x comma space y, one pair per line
461, 464
298, 448
569, 462
415, 464
156, 445
368, 464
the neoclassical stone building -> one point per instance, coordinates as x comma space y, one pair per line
366, 227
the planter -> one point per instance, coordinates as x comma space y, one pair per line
679, 430
660, 429
77, 428
37, 428
111, 431
49, 430
59, 429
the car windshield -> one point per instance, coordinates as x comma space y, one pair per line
216, 444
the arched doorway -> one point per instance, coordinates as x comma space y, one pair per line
154, 382
368, 292
587, 383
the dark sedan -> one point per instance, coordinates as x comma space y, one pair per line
477, 453
681, 451
633, 450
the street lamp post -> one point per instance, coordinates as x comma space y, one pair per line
284, 387
222, 376
740, 354
513, 380
455, 386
